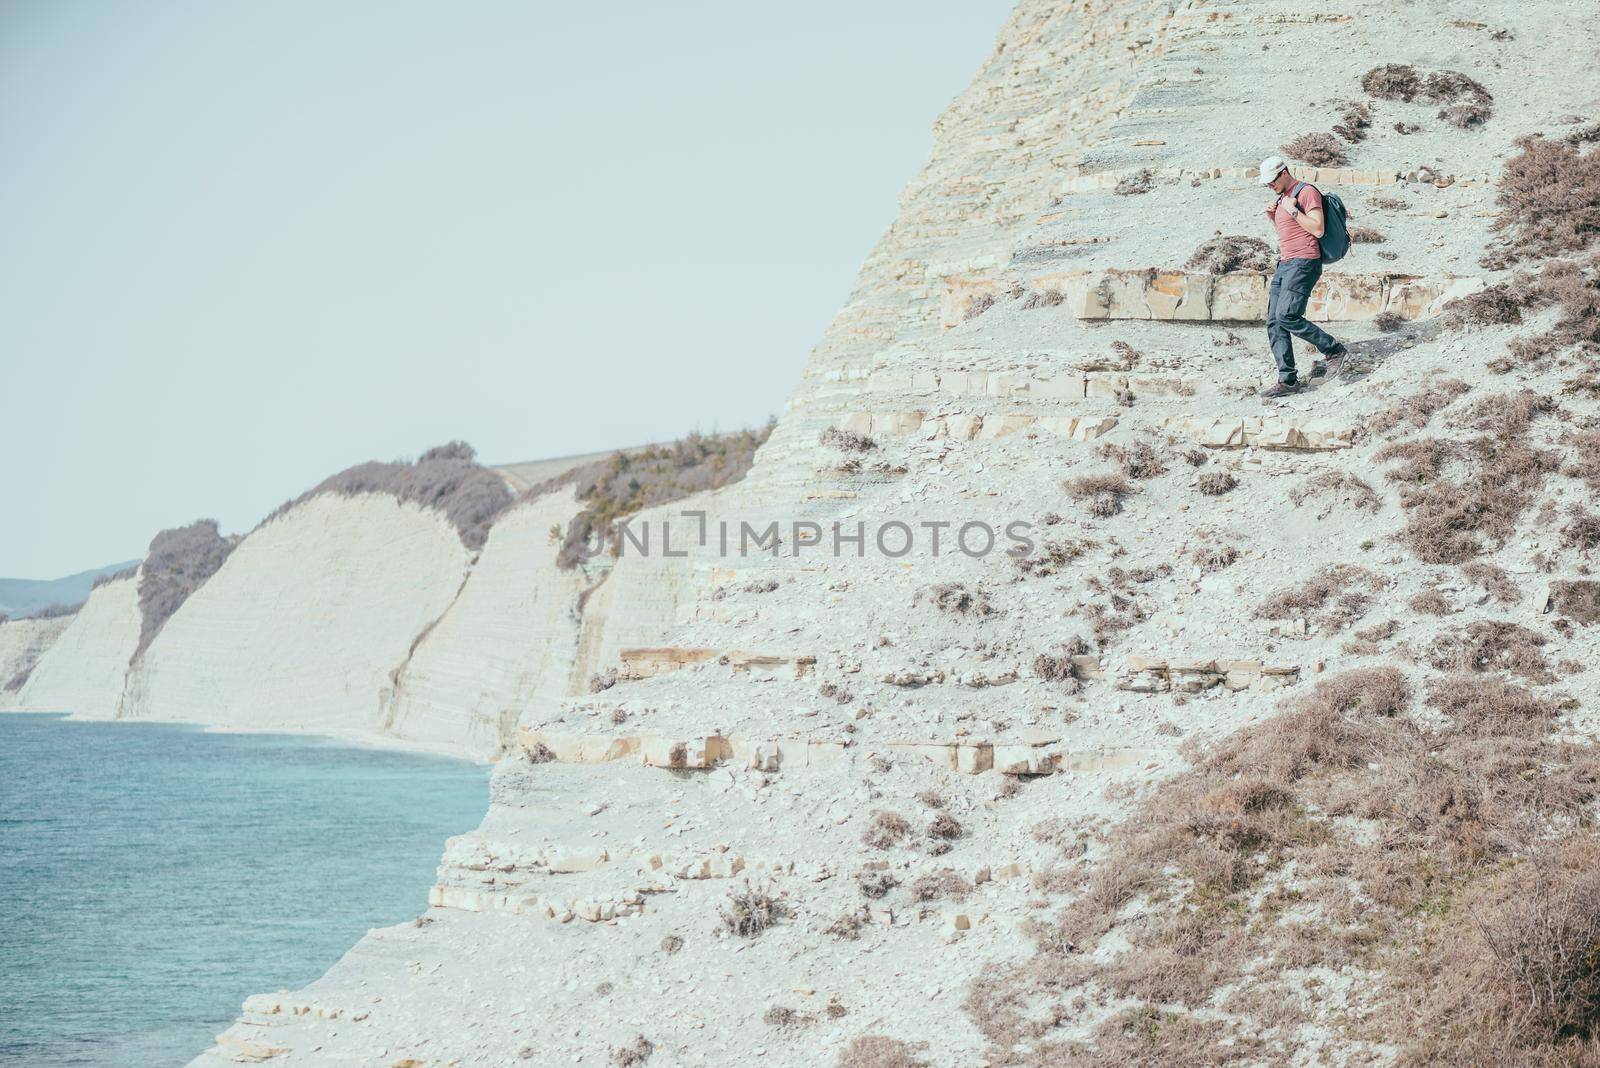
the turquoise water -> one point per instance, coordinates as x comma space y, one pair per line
151, 877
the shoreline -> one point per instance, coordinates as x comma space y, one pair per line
355, 738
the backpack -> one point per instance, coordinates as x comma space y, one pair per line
1335, 239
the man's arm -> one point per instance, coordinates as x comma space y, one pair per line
1311, 221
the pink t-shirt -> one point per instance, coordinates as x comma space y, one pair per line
1294, 243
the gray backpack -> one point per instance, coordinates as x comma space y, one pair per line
1335, 239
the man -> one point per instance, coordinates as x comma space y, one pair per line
1300, 223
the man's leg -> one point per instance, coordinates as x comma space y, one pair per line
1277, 336
1300, 278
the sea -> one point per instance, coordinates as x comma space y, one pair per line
153, 876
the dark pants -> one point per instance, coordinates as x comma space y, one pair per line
1291, 288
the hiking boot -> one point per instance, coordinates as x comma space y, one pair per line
1282, 389
1335, 363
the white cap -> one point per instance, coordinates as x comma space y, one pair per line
1271, 167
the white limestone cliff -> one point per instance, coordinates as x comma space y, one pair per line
302, 626
84, 670
22, 643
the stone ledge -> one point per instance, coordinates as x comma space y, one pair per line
966, 426
1024, 756
1099, 181
1024, 386
1241, 296
1237, 432
649, 663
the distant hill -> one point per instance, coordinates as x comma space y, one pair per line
20, 598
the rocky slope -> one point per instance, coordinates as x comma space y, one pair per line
22, 642
867, 803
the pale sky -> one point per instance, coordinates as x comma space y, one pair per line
243, 246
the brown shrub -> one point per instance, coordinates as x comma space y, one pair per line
1348, 587
1221, 255
875, 885
751, 910
1134, 184
1544, 939
1366, 235
627, 482
1316, 149
178, 563
447, 478
978, 305
1338, 487
1052, 558
878, 1051
886, 829
1215, 557
1494, 580
956, 598
936, 886
1415, 411
1430, 603
671, 944
1492, 645
1452, 521
1137, 461
847, 440
1102, 493
1549, 201
944, 826
1396, 81
1582, 531
1354, 119
635, 1053
1216, 483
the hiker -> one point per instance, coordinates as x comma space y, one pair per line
1297, 211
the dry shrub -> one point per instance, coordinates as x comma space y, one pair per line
878, 1051
1337, 487
1215, 557
978, 305
1500, 304
1221, 255
629, 481
1467, 102
1317, 149
1390, 203
635, 1053
1052, 557
846, 440
1388, 322
944, 826
1366, 235
601, 681
783, 1016
1216, 483
1415, 411
114, 576
447, 478
1347, 587
1061, 667
946, 883
1048, 298
1583, 456
1492, 645
875, 885
886, 829
1582, 531
1134, 184
1354, 119
178, 563
1430, 603
1137, 461
1343, 834
751, 910
1494, 580
1102, 494
956, 598
1549, 200
1451, 521
847, 927
671, 944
